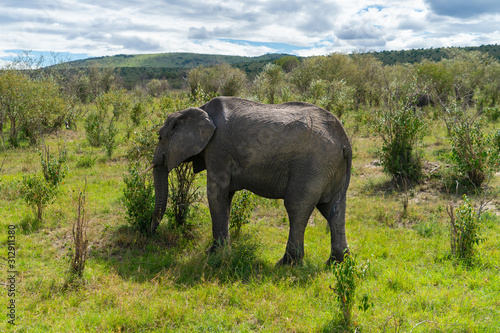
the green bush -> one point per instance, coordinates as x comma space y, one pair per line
464, 231
100, 130
137, 112
54, 169
335, 96
347, 278
182, 195
139, 200
38, 193
473, 151
496, 144
241, 211
94, 129
492, 113
86, 161
401, 130
110, 138
30, 105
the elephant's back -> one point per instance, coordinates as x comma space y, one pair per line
303, 123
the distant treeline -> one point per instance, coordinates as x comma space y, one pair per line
174, 67
414, 56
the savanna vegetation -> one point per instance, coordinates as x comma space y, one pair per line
422, 219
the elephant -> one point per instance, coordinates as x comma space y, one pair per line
421, 100
294, 151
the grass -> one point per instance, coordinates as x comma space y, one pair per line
169, 284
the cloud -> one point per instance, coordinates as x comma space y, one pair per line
464, 8
97, 27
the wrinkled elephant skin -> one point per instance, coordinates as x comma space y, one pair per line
295, 151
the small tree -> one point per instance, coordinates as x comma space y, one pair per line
80, 234
473, 151
347, 277
30, 105
220, 80
139, 200
401, 129
38, 193
335, 96
465, 229
269, 82
182, 194
54, 169
100, 126
241, 210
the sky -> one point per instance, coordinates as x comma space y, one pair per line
77, 29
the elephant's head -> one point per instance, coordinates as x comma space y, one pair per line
183, 135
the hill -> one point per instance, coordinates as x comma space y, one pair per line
175, 66
417, 55
171, 66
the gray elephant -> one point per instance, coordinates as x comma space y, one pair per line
421, 100
295, 151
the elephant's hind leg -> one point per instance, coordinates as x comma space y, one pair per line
299, 212
335, 215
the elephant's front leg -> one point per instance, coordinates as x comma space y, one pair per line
219, 201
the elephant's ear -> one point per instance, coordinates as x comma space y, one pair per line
190, 135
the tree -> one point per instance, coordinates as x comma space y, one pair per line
31, 105
157, 87
219, 80
269, 82
288, 63
468, 69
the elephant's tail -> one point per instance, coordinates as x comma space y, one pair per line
347, 153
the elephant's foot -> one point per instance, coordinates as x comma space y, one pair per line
289, 260
337, 257
154, 226
216, 245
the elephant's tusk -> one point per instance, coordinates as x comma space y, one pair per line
149, 168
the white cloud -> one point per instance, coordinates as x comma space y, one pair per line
109, 27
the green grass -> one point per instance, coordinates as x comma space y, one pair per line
166, 283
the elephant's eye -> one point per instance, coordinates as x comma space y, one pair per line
159, 138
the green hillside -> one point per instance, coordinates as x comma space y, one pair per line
171, 66
417, 55
175, 66
172, 60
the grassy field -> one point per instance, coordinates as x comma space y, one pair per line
132, 283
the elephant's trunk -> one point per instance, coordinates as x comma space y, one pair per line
160, 174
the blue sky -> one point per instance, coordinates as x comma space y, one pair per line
89, 28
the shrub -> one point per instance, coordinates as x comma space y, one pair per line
139, 200
80, 234
347, 277
473, 151
54, 169
86, 161
94, 129
219, 80
30, 105
136, 113
182, 194
38, 193
492, 113
464, 231
401, 130
241, 210
496, 143
110, 138
335, 96
100, 130
269, 83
